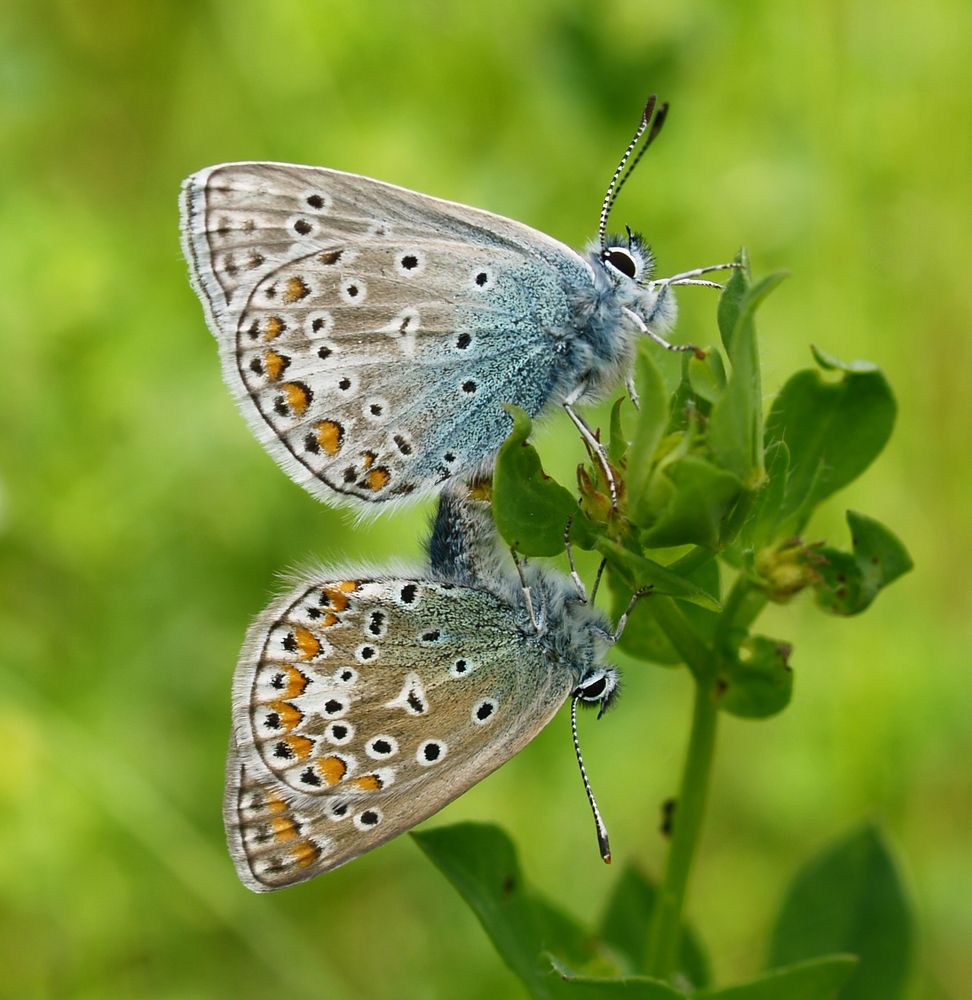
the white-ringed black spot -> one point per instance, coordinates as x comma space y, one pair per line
375, 410
333, 707
339, 733
469, 386
463, 341
366, 653
449, 457
349, 475
324, 352
408, 593
460, 668
367, 819
310, 777
315, 201
353, 291
283, 750
433, 635
377, 623
318, 324
483, 711
381, 747
302, 227
415, 703
346, 675
272, 720
430, 752
345, 384
482, 278
409, 262
277, 681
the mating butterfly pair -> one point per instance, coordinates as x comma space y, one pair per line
370, 335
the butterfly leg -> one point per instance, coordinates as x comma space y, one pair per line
597, 579
592, 442
659, 339
686, 276
623, 620
632, 392
574, 575
527, 599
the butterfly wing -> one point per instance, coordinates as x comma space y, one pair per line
362, 705
370, 333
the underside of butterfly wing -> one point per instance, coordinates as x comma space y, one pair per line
362, 705
371, 334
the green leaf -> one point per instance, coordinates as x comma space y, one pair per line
480, 862
818, 979
731, 298
850, 898
637, 571
625, 922
643, 638
735, 437
574, 987
687, 503
832, 428
760, 526
881, 555
848, 583
652, 417
531, 509
618, 443
755, 680
708, 377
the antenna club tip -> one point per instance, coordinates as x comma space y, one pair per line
604, 845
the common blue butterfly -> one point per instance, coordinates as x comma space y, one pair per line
364, 700
370, 333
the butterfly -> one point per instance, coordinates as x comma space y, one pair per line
370, 334
364, 701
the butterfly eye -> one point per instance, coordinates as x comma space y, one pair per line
620, 260
598, 687
593, 690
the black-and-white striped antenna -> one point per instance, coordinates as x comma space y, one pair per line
614, 188
602, 835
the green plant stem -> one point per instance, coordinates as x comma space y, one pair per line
741, 608
680, 633
666, 922
696, 557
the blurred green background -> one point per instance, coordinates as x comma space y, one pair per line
141, 526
